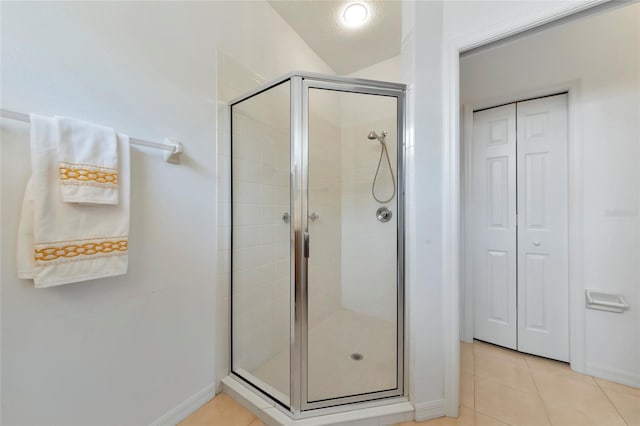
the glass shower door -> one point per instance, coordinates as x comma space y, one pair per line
354, 256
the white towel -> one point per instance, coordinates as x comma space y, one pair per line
59, 242
87, 162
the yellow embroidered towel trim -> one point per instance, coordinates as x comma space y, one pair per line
85, 174
63, 251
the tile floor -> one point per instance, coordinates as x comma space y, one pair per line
502, 387
222, 411
498, 387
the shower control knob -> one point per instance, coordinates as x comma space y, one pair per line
314, 216
383, 214
285, 217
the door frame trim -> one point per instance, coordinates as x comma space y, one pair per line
574, 213
452, 48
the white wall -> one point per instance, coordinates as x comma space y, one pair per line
126, 350
387, 70
602, 52
462, 18
421, 51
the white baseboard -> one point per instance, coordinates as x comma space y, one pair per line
429, 410
613, 375
186, 407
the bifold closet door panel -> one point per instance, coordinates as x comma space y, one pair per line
543, 299
494, 210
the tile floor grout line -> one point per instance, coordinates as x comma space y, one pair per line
535, 383
475, 406
544, 403
491, 417
609, 399
531, 371
490, 377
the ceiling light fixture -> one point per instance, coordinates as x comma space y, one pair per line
355, 14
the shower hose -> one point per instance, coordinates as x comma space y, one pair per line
383, 152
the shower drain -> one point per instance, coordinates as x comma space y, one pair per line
356, 356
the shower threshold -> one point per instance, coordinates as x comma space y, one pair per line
386, 411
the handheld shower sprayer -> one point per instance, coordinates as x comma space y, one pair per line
383, 152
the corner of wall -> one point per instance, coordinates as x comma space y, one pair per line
186, 407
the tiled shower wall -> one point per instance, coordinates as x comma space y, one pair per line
369, 248
325, 260
261, 232
261, 238
352, 261
233, 80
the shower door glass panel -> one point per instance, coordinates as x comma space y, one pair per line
352, 266
261, 240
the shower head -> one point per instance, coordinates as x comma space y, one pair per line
374, 136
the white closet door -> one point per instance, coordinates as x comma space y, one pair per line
494, 209
543, 299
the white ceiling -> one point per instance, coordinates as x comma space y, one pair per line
345, 50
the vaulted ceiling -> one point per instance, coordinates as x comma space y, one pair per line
319, 23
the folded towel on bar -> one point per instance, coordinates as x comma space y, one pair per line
87, 162
59, 242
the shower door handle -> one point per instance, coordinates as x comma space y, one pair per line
306, 245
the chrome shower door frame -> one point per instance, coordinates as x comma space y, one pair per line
299, 406
300, 155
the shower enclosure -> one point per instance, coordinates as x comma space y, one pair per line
317, 286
